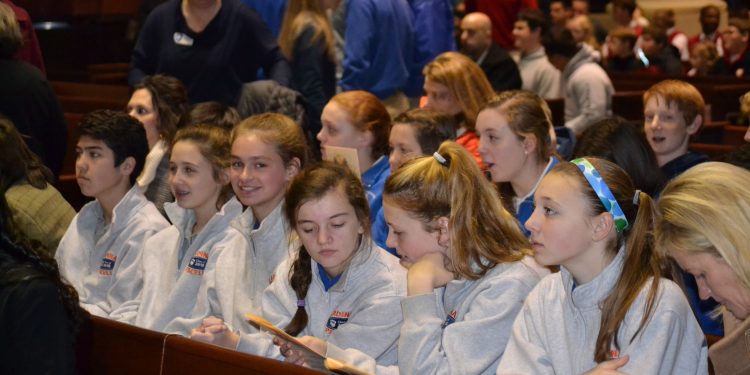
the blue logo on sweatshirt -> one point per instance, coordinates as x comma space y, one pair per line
336, 319
197, 263
450, 319
108, 264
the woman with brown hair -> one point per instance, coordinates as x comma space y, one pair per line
158, 102
37, 208
457, 86
306, 40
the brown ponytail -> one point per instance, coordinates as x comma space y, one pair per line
482, 233
313, 184
640, 263
300, 277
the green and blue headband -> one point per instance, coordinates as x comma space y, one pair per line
602, 191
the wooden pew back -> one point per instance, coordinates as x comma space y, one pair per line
115, 348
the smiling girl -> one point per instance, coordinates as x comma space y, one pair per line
608, 309
516, 147
339, 286
268, 150
189, 268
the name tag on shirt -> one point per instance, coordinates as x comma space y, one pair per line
182, 39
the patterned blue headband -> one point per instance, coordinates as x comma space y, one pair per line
602, 191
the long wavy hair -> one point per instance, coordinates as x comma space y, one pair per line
465, 80
482, 233
17, 161
299, 15
170, 101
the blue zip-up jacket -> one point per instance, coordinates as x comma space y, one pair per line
379, 47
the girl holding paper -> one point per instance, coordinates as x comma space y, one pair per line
339, 286
469, 269
358, 120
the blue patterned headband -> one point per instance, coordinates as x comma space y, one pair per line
602, 191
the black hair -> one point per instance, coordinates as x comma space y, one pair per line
123, 134
624, 144
564, 45
535, 19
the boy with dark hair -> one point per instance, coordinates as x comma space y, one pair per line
710, 16
560, 12
622, 59
663, 58
624, 14
665, 19
98, 253
587, 88
537, 74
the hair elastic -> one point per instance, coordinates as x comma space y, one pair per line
300, 304
440, 158
637, 197
602, 191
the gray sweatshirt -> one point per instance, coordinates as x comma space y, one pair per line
269, 247
179, 292
461, 328
587, 90
556, 331
539, 75
104, 270
361, 311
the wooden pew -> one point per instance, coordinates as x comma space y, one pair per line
109, 347
720, 133
714, 151
734, 135
185, 356
117, 348
113, 73
721, 93
83, 98
116, 93
71, 123
628, 104
709, 133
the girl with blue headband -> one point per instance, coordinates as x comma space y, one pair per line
609, 309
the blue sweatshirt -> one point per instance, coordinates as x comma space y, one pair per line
379, 49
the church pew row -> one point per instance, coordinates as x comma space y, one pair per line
714, 151
109, 347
